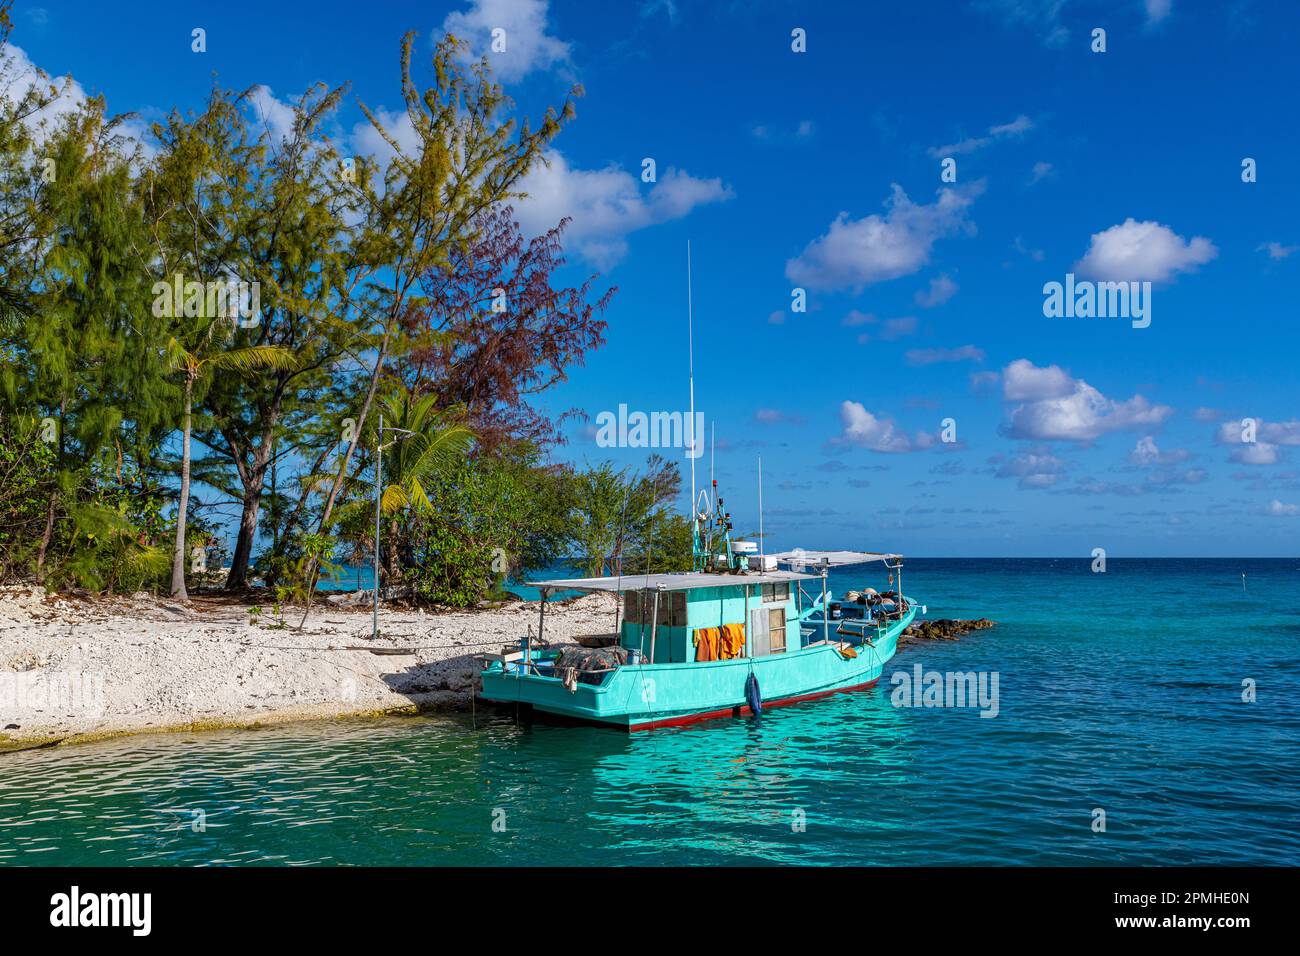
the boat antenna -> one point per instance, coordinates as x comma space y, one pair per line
690, 357
762, 544
649, 541
622, 529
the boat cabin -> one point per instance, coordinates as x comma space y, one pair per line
699, 616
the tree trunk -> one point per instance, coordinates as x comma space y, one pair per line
356, 436
178, 558
239, 561
253, 477
341, 474
48, 534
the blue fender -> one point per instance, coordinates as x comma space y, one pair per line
752, 695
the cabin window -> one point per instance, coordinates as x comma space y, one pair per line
776, 630
632, 607
776, 592
672, 608
679, 609
638, 608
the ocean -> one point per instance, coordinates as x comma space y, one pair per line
1145, 715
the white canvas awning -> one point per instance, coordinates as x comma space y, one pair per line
683, 581
799, 559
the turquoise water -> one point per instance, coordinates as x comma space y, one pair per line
1120, 691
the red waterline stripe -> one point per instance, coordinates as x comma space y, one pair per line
743, 709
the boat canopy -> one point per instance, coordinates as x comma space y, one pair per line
684, 581
800, 559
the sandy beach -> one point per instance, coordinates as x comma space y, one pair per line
74, 668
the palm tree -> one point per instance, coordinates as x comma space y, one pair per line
427, 442
433, 442
196, 364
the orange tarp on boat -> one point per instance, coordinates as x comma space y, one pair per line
706, 643
732, 643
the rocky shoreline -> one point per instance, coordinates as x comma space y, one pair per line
943, 629
80, 668
75, 668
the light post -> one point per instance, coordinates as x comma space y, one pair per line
379, 494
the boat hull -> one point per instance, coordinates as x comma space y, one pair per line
649, 696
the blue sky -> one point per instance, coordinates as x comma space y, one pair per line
821, 170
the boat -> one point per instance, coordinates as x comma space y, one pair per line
735, 636
731, 637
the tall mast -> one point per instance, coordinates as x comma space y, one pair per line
690, 351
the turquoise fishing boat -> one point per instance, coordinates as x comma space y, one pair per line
732, 637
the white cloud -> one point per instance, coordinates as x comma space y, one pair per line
1142, 251
1157, 10
1254, 453
1056, 407
1280, 510
1040, 172
963, 353
942, 288
1041, 16
606, 204
865, 430
1023, 381
859, 252
367, 141
1038, 255
1276, 250
897, 328
772, 416
669, 7
19, 76
1172, 476
1264, 449
1017, 127
1147, 453
274, 115
1033, 469
1281, 433
890, 329
528, 46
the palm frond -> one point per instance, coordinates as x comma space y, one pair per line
273, 357
394, 499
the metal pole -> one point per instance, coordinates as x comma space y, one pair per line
745, 623
541, 630
826, 611
379, 485
654, 623
690, 352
